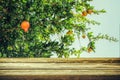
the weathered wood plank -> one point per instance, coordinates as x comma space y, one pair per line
60, 60
62, 77
59, 66
54, 68
58, 72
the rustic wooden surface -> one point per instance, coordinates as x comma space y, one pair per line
60, 60
59, 69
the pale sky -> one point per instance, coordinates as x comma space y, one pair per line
110, 24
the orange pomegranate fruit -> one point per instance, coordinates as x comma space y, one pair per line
89, 11
84, 13
90, 50
25, 25
83, 36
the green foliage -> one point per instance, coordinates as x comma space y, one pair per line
47, 18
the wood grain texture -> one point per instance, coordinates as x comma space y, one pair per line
60, 60
66, 77
59, 69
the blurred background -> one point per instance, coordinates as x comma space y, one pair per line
110, 24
